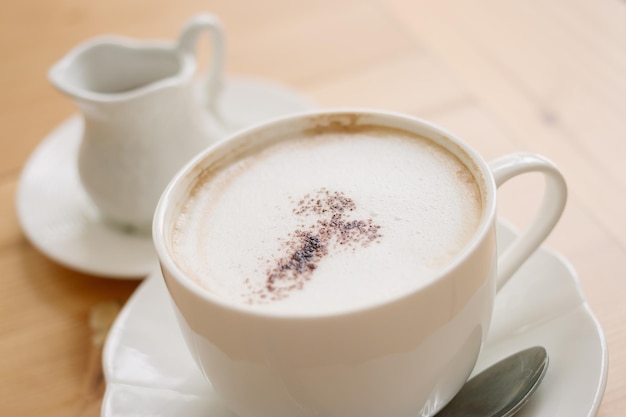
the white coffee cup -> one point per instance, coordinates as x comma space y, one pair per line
407, 356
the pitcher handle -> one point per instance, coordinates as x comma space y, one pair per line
554, 199
187, 44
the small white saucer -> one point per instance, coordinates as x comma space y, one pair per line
149, 370
60, 220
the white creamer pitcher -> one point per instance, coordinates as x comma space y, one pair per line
143, 116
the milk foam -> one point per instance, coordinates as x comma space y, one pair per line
414, 204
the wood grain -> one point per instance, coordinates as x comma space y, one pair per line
542, 76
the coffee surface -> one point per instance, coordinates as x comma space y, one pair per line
327, 221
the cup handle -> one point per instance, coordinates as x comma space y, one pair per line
187, 44
554, 199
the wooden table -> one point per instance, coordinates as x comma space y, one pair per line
543, 76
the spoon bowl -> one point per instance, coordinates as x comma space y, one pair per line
502, 389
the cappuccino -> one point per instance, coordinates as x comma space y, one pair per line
327, 219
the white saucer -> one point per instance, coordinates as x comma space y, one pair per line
60, 220
150, 372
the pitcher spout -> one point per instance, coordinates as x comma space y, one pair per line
113, 69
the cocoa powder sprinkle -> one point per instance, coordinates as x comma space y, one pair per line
303, 249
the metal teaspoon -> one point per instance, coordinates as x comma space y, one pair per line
502, 389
